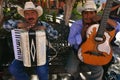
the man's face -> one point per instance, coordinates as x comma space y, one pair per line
31, 16
87, 16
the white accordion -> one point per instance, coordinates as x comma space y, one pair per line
29, 47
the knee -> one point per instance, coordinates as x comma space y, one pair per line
42, 69
42, 72
71, 70
101, 70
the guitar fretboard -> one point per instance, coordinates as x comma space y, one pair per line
103, 23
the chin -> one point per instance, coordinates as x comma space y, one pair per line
88, 22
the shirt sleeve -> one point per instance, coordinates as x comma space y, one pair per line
10, 24
51, 33
118, 27
74, 37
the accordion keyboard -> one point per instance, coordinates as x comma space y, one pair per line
16, 43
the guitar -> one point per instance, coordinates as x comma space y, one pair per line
96, 50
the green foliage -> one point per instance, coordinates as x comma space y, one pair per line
10, 13
75, 14
43, 17
54, 16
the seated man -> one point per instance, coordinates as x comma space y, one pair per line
30, 13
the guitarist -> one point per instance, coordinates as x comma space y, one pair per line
77, 36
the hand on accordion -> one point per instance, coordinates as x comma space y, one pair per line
22, 25
39, 28
26, 26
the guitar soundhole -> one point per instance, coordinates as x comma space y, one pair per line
95, 53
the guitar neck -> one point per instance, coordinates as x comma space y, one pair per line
103, 23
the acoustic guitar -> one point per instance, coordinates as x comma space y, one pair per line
96, 50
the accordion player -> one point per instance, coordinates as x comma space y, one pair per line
29, 47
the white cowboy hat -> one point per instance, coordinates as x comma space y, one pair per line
88, 6
30, 6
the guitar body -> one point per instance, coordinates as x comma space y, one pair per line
94, 52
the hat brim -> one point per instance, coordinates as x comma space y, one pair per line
38, 9
88, 6
81, 9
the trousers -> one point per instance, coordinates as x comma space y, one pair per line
82, 71
17, 69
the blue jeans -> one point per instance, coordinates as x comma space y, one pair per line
18, 71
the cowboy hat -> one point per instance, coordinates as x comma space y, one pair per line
30, 6
88, 6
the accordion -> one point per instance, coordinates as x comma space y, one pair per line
29, 47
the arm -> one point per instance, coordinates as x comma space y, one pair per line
117, 27
112, 22
102, 6
74, 37
115, 7
9, 25
115, 24
50, 31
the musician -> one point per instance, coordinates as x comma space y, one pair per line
31, 15
77, 36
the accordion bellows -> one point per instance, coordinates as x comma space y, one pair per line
33, 48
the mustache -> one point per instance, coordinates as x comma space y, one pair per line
30, 18
87, 19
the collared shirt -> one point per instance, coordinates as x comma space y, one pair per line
12, 24
75, 37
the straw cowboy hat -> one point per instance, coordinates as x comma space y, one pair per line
30, 6
88, 6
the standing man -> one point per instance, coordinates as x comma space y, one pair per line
77, 36
30, 13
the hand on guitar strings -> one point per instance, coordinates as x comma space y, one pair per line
96, 20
